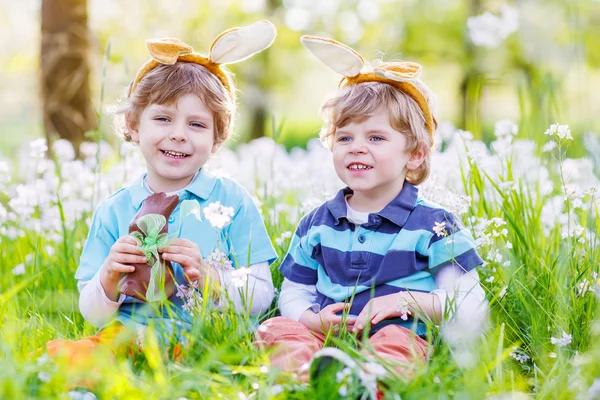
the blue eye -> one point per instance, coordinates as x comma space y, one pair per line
344, 139
197, 125
162, 119
377, 138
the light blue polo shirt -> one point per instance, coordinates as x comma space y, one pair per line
245, 239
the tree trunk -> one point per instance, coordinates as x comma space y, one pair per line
67, 106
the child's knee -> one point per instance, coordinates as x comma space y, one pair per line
276, 328
401, 337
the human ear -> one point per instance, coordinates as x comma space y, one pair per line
133, 131
416, 159
215, 147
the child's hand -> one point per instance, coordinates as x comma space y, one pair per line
187, 254
377, 310
327, 318
122, 254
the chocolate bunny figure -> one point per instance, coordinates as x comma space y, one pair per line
136, 283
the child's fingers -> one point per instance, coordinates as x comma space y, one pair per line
177, 250
336, 307
183, 243
130, 259
127, 248
127, 240
192, 273
377, 319
121, 268
181, 259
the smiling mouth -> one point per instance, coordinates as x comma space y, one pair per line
174, 154
359, 167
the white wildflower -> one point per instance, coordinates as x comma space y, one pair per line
239, 276
63, 150
559, 131
284, 236
218, 215
440, 229
19, 269
505, 130
44, 376
490, 30
375, 369
38, 148
519, 355
191, 296
563, 341
549, 146
503, 292
583, 287
219, 260
341, 375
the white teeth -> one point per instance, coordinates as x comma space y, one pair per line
174, 154
359, 167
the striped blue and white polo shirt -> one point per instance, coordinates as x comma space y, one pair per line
396, 250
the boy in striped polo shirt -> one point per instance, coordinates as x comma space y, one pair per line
377, 249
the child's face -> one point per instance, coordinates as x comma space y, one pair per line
176, 141
371, 156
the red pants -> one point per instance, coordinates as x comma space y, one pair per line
294, 345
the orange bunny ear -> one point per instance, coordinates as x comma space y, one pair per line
167, 50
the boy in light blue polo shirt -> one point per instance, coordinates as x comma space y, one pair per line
180, 110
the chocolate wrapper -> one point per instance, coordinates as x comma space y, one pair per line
150, 227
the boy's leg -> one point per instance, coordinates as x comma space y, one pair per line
399, 345
292, 344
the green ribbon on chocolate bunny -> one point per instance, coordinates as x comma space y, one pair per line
149, 241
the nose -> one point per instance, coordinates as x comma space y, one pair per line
178, 134
357, 147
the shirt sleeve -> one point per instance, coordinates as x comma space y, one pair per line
97, 309
97, 246
295, 298
247, 235
459, 293
299, 265
452, 244
255, 295
95, 306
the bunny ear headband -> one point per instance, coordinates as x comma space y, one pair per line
232, 46
343, 60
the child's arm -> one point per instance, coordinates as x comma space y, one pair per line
459, 292
101, 265
297, 302
399, 305
255, 295
296, 298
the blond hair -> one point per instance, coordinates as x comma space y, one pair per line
166, 84
355, 103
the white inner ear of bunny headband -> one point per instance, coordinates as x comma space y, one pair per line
395, 76
338, 57
242, 43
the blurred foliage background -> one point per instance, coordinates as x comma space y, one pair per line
535, 62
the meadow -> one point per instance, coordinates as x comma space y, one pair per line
532, 210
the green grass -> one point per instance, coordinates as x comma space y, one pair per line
541, 300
